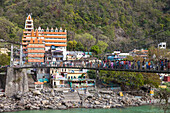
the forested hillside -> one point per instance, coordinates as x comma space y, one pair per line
115, 24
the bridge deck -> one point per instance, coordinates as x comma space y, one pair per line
108, 69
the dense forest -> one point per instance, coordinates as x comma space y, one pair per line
109, 24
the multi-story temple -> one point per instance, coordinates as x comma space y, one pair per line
35, 50
53, 40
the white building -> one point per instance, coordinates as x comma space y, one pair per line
78, 54
162, 45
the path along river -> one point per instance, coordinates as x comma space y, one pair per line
140, 109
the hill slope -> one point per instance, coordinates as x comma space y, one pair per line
126, 24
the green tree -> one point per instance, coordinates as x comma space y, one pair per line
151, 79
71, 45
133, 80
95, 49
91, 74
102, 46
87, 40
129, 58
79, 46
4, 59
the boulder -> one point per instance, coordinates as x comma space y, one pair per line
1, 94
1, 110
22, 102
118, 105
28, 106
97, 106
20, 107
97, 102
45, 102
37, 102
35, 107
62, 107
52, 93
1, 106
36, 92
68, 104
106, 107
51, 107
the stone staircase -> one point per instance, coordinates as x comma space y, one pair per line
71, 96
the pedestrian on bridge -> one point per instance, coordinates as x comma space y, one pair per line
168, 65
130, 64
138, 63
143, 64
147, 67
162, 65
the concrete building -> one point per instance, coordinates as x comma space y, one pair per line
64, 77
76, 55
117, 55
69, 73
139, 53
162, 45
53, 39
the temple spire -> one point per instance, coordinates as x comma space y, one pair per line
32, 33
31, 41
40, 42
36, 33
36, 41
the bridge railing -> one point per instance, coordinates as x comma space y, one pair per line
103, 66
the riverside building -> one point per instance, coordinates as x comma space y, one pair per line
54, 40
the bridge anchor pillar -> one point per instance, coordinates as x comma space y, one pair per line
16, 80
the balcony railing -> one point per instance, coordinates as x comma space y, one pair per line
57, 56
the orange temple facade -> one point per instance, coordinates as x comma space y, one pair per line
36, 50
36, 42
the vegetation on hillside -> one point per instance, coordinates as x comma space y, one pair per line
4, 59
121, 24
131, 79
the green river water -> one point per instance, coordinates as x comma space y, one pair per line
140, 109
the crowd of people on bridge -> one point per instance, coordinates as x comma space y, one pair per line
117, 64
144, 65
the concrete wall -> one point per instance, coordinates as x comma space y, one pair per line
16, 81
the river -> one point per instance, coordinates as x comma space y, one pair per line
140, 109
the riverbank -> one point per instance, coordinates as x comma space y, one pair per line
55, 99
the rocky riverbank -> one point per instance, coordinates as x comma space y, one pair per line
51, 99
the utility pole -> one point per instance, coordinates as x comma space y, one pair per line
20, 63
11, 62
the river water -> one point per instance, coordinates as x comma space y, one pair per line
140, 109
